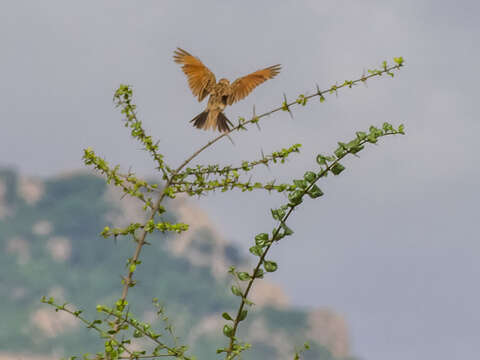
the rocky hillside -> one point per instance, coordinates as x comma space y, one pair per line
49, 237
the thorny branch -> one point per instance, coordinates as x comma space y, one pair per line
174, 178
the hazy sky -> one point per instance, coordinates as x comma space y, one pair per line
393, 244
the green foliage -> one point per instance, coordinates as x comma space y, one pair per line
203, 179
124, 99
297, 190
119, 326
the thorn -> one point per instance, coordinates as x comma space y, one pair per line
230, 123
286, 104
229, 138
364, 80
254, 117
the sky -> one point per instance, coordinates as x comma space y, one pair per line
392, 245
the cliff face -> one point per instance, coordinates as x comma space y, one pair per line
50, 246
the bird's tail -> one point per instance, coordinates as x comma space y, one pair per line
211, 120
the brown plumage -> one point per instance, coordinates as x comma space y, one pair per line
202, 82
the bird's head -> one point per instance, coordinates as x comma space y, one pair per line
224, 81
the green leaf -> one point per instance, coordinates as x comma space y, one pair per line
398, 60
302, 184
243, 315
321, 160
337, 168
276, 214
356, 149
259, 274
340, 152
310, 176
228, 330
243, 276
261, 238
277, 235
387, 127
295, 197
315, 192
226, 316
361, 135
342, 145
236, 291
401, 129
279, 213
286, 230
256, 250
353, 143
372, 138
270, 266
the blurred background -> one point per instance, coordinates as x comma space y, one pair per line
391, 247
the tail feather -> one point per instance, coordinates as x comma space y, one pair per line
221, 122
200, 120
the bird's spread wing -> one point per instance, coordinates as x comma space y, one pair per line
200, 78
244, 85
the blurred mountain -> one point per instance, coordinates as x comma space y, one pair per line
50, 245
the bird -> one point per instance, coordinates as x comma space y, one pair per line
202, 82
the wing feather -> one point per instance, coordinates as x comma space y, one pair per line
244, 85
200, 79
